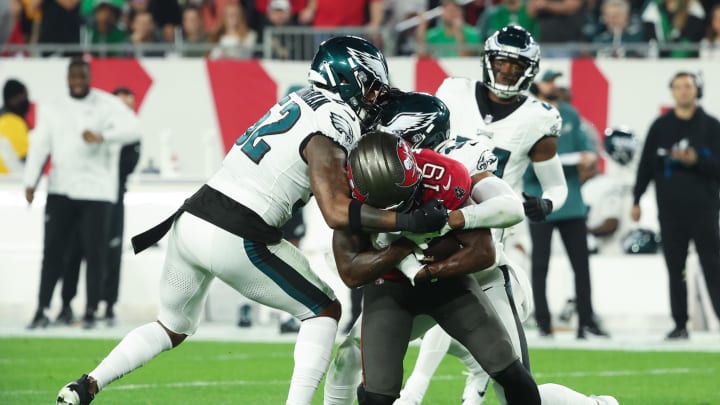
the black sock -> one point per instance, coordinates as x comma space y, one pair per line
518, 384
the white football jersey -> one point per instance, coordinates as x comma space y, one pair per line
609, 197
511, 137
475, 154
265, 170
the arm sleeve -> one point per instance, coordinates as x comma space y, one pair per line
645, 167
497, 205
552, 180
39, 150
570, 159
123, 126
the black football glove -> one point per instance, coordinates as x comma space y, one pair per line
536, 208
429, 218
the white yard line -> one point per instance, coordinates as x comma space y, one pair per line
445, 377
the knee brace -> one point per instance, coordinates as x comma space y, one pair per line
518, 384
369, 398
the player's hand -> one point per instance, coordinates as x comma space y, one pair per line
536, 208
635, 213
91, 137
29, 194
688, 155
432, 216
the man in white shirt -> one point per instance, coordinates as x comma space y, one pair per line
82, 132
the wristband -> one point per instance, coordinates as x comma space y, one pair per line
354, 215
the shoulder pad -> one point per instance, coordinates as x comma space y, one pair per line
547, 116
453, 86
338, 122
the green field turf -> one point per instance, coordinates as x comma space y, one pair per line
33, 369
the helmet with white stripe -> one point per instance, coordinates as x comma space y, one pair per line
515, 45
354, 69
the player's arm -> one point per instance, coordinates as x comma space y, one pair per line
548, 169
38, 154
496, 205
328, 181
358, 263
477, 253
608, 227
123, 125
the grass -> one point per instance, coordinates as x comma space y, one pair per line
33, 369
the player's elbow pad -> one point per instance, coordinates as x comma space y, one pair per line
552, 180
497, 205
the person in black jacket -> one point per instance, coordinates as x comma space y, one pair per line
682, 155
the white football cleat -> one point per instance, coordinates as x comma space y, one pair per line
475, 389
605, 400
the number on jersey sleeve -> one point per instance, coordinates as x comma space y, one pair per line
255, 148
503, 155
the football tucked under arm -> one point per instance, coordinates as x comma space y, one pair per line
441, 248
457, 253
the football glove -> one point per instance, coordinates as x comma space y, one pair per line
432, 216
536, 208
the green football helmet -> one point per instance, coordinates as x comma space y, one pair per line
621, 144
420, 118
354, 69
641, 241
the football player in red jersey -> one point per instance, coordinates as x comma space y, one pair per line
386, 174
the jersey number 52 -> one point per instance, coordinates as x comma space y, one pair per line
252, 144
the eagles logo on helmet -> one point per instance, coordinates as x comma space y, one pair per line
419, 118
620, 144
354, 69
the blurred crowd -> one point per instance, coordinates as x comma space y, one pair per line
237, 28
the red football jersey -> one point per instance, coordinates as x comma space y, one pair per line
443, 178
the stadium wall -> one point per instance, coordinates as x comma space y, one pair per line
192, 110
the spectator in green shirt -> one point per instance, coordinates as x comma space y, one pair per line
104, 29
452, 36
508, 12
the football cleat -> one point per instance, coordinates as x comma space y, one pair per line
605, 400
475, 389
545, 332
40, 320
591, 331
88, 321
65, 317
678, 334
76, 392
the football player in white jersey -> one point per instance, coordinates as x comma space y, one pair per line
229, 229
423, 120
609, 195
521, 130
